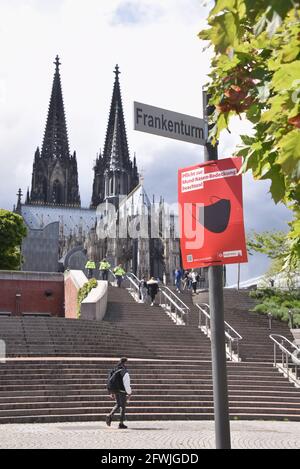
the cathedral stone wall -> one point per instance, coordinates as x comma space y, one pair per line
40, 249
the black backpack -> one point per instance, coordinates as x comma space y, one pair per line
113, 380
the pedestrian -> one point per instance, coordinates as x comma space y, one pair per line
104, 268
178, 276
119, 273
190, 280
152, 286
194, 280
120, 390
143, 291
90, 265
185, 280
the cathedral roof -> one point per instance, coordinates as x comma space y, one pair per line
70, 219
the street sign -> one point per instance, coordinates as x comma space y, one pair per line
211, 214
155, 120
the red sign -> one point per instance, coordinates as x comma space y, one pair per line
211, 214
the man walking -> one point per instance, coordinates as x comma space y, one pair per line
153, 288
104, 268
119, 273
178, 276
90, 266
120, 391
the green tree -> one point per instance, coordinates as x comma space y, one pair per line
12, 231
276, 246
256, 75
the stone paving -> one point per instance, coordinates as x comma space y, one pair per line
150, 435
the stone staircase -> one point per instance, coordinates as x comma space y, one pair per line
49, 336
253, 327
170, 367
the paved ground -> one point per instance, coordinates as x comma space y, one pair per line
149, 435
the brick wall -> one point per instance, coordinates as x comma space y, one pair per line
23, 292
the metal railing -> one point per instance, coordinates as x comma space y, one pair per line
112, 278
173, 306
134, 285
232, 337
168, 300
289, 362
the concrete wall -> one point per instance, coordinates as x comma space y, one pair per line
94, 305
32, 292
74, 279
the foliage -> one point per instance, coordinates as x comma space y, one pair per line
256, 73
83, 293
276, 246
279, 303
12, 231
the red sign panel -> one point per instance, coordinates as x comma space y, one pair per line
211, 214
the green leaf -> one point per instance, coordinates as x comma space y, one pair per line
222, 5
253, 113
277, 187
247, 140
275, 110
289, 156
224, 32
284, 78
291, 51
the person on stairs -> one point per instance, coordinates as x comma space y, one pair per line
121, 392
119, 273
152, 286
194, 280
178, 277
91, 266
104, 269
143, 290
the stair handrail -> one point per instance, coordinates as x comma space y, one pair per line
135, 282
232, 336
286, 356
174, 295
134, 276
180, 308
112, 273
179, 305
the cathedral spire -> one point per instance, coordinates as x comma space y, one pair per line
114, 174
55, 175
116, 141
56, 142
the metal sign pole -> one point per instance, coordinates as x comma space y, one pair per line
218, 352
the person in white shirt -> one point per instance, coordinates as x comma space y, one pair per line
122, 393
194, 280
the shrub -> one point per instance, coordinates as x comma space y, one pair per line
279, 303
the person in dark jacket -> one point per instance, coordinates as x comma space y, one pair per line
122, 394
143, 290
152, 286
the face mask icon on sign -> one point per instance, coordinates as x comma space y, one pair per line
215, 217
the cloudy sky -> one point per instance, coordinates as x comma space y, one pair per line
162, 63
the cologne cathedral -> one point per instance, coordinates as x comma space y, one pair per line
61, 233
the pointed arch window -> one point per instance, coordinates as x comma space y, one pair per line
57, 192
